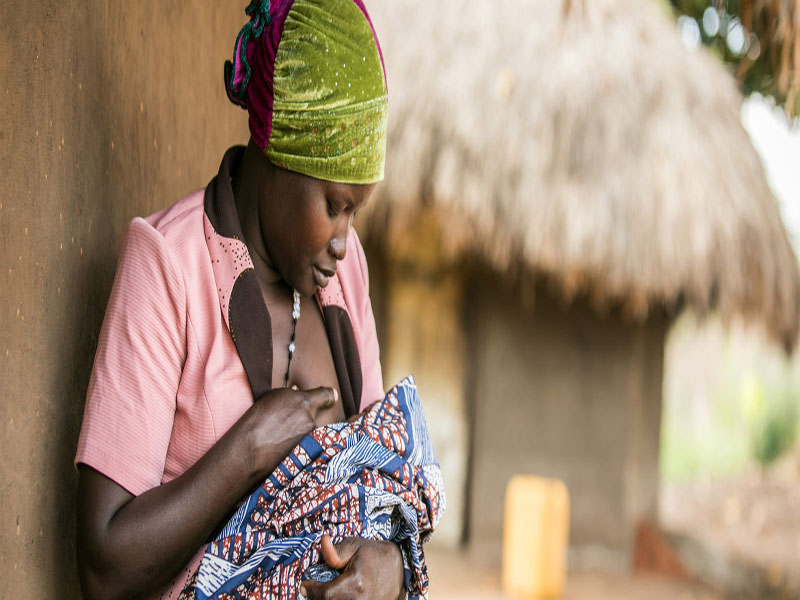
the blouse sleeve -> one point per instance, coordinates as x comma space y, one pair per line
130, 404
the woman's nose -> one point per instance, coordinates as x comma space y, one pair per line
338, 246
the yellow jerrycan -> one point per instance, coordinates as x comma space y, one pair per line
535, 537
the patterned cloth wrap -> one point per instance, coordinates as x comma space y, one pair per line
375, 478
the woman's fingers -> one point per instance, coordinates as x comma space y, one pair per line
320, 399
345, 587
314, 590
335, 556
338, 555
370, 569
330, 555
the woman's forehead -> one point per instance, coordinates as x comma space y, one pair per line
350, 193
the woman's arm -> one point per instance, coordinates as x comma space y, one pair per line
130, 545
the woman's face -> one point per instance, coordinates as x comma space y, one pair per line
305, 222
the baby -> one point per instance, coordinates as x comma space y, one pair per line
376, 477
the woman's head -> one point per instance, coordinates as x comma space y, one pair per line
303, 222
310, 73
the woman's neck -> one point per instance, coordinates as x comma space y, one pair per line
250, 182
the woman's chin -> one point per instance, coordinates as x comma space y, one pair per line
307, 289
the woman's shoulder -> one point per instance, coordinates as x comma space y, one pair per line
168, 249
175, 232
180, 219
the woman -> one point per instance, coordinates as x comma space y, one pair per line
252, 289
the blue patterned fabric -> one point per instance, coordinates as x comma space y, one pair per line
375, 478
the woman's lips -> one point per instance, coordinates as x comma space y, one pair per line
320, 277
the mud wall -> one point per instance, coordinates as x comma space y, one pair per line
559, 391
108, 110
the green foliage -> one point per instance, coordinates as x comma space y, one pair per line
755, 63
746, 412
719, 451
774, 429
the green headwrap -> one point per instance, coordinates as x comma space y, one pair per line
314, 85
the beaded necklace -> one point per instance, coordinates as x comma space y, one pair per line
295, 318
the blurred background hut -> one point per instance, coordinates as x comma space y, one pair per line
563, 179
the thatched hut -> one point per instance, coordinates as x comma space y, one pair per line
563, 178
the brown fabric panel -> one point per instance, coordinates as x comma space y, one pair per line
248, 317
345, 357
219, 204
251, 330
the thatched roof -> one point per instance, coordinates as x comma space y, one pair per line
581, 141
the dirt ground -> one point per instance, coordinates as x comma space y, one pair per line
740, 536
457, 575
750, 523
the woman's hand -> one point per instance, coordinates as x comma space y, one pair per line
280, 419
370, 569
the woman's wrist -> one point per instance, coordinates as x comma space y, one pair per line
255, 457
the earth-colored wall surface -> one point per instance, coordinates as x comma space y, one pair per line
108, 110
558, 391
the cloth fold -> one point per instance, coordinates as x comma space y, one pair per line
375, 478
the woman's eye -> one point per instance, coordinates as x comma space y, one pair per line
332, 212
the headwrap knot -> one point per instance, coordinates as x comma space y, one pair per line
258, 11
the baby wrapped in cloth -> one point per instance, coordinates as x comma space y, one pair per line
375, 478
